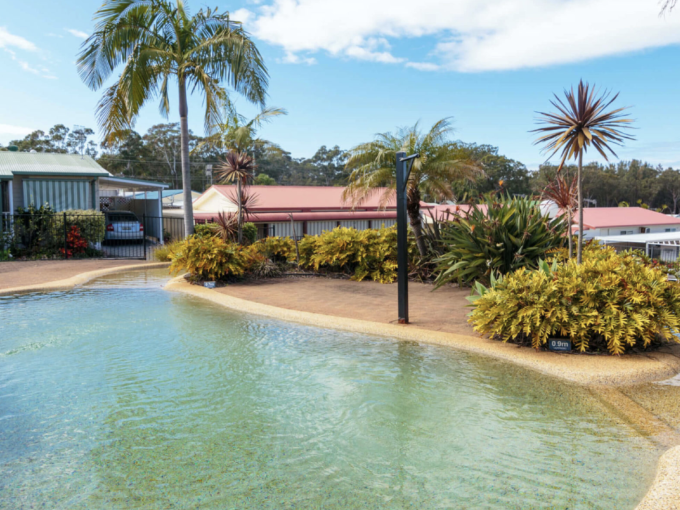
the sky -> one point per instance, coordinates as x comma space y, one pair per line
348, 69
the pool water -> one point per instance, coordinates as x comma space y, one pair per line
119, 394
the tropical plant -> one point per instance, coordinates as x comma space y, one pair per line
164, 252
157, 41
225, 227
373, 168
363, 254
581, 122
277, 249
237, 167
611, 301
209, 258
497, 235
238, 134
668, 5
563, 192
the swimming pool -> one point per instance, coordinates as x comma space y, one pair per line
118, 394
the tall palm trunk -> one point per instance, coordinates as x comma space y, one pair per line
570, 236
186, 167
413, 210
579, 249
240, 211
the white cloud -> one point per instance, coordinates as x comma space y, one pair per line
9, 131
8, 40
77, 33
471, 35
423, 66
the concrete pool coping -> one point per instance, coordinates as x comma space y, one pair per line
79, 279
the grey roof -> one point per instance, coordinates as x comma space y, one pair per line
45, 163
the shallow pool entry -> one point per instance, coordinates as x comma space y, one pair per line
121, 395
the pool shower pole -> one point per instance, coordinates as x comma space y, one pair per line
403, 171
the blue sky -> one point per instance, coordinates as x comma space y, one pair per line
346, 70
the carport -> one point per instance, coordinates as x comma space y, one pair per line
121, 194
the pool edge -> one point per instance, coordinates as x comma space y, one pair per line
79, 279
663, 494
586, 370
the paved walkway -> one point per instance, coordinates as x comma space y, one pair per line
444, 309
20, 273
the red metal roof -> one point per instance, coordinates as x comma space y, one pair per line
267, 217
303, 198
608, 217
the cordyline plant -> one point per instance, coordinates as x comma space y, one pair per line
582, 121
563, 192
156, 42
236, 167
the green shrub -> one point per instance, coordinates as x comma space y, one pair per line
34, 233
210, 258
614, 300
164, 252
249, 233
277, 249
204, 230
90, 223
501, 234
361, 253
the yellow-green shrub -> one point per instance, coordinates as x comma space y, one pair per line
278, 249
163, 253
362, 253
613, 297
210, 258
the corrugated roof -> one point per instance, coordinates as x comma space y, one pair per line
608, 217
45, 163
640, 238
302, 198
266, 217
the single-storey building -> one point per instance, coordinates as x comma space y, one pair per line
74, 181
313, 209
620, 221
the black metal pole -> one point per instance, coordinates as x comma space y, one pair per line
402, 240
144, 232
65, 238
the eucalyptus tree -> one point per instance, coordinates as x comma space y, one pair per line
581, 121
373, 167
158, 42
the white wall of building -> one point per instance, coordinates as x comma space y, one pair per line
635, 229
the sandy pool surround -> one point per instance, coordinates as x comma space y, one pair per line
590, 370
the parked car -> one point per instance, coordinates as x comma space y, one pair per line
123, 226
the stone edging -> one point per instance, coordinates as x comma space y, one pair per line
589, 370
79, 279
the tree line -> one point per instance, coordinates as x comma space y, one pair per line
155, 155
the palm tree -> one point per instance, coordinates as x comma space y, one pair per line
237, 167
668, 5
157, 41
373, 166
581, 122
236, 133
563, 192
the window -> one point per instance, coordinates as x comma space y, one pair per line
670, 230
4, 197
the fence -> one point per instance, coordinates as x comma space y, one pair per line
117, 235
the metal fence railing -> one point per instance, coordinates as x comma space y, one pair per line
114, 234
